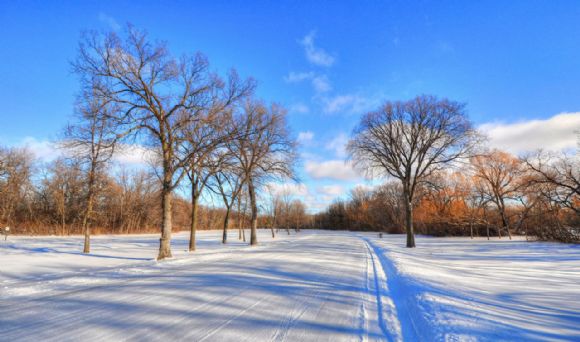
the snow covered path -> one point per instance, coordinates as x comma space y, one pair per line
313, 286
307, 287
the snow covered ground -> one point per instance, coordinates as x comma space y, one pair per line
310, 286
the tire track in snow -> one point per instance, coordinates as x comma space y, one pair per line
365, 297
303, 306
386, 311
388, 284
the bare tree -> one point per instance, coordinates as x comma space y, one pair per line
409, 141
562, 172
554, 182
264, 151
274, 208
297, 214
156, 94
286, 204
203, 137
227, 183
500, 174
15, 178
91, 140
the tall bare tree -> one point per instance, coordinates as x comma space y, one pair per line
264, 151
91, 140
157, 96
409, 141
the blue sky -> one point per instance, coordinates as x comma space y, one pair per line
515, 63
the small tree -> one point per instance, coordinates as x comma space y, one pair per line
409, 141
227, 182
265, 150
91, 140
274, 208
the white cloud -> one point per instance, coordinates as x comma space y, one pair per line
136, 155
294, 77
44, 150
315, 55
293, 189
48, 151
330, 190
109, 21
338, 145
305, 137
555, 133
331, 169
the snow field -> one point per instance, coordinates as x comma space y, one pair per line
310, 286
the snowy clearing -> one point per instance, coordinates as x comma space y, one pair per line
310, 286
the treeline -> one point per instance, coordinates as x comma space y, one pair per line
40, 198
496, 194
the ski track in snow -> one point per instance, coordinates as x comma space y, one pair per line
310, 286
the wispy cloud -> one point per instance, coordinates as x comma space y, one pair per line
338, 145
555, 133
305, 137
109, 21
320, 83
295, 77
314, 54
299, 108
349, 103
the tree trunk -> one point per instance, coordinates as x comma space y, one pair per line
193, 228
505, 221
88, 210
86, 228
471, 228
165, 241
254, 205
226, 222
63, 210
239, 217
409, 220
